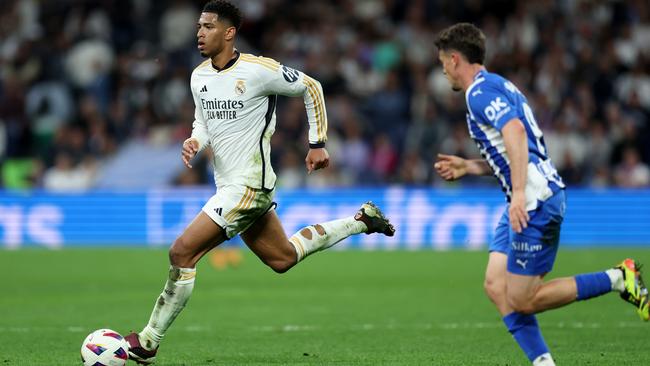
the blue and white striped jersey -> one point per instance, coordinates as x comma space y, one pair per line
492, 101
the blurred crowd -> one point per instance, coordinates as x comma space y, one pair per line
81, 79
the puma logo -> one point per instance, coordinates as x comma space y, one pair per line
522, 263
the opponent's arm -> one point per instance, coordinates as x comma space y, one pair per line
451, 167
478, 167
514, 138
283, 80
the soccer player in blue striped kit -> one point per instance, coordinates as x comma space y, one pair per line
525, 244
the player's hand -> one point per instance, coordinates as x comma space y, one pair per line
518, 215
450, 167
317, 159
190, 148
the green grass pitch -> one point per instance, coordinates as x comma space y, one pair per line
336, 308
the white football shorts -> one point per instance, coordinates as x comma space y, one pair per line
236, 207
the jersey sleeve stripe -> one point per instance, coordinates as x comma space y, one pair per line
317, 110
266, 62
269, 61
268, 66
322, 114
317, 96
321, 111
261, 58
313, 98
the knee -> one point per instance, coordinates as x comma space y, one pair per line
495, 289
179, 255
281, 265
521, 303
282, 259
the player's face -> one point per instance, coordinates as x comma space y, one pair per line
449, 62
212, 34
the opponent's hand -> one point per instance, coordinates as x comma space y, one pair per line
518, 215
450, 167
190, 148
317, 159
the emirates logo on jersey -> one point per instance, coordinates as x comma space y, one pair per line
221, 109
240, 87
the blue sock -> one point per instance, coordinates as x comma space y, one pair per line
525, 331
592, 284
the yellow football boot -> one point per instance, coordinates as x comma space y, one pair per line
635, 291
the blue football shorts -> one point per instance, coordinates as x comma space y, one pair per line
532, 252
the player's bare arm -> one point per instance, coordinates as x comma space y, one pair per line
189, 150
451, 167
316, 159
514, 137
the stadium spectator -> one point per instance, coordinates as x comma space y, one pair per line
631, 172
66, 176
584, 66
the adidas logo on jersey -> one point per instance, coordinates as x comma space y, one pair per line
204, 89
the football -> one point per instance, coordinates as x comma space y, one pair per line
104, 347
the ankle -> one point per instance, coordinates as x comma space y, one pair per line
617, 279
149, 338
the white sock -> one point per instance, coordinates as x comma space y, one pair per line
318, 237
171, 301
616, 277
544, 360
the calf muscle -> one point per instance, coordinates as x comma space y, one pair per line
201, 235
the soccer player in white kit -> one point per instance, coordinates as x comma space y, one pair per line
235, 96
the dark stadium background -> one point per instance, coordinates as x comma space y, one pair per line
82, 80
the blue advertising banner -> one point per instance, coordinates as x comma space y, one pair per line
424, 218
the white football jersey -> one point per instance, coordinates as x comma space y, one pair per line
235, 115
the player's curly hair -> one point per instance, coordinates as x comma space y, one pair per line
465, 38
225, 11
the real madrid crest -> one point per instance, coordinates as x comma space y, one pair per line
240, 87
